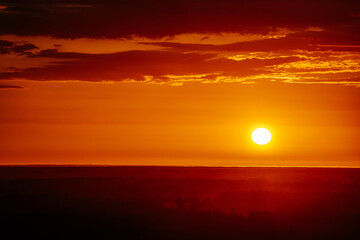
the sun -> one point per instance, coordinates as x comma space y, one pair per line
261, 136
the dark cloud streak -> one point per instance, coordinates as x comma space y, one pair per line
330, 28
19, 48
158, 18
136, 65
9, 86
309, 40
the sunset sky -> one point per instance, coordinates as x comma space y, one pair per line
180, 82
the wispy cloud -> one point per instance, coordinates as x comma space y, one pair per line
10, 86
181, 41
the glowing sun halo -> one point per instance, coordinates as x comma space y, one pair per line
261, 136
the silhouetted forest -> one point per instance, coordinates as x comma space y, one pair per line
179, 203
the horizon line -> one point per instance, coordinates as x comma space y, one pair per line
179, 166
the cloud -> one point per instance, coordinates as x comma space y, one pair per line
158, 18
304, 40
9, 86
19, 48
139, 66
181, 40
205, 63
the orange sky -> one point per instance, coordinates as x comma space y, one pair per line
185, 93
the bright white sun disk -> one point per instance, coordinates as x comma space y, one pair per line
261, 136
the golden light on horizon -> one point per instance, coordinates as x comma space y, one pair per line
261, 136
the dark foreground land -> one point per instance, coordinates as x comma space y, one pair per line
179, 203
